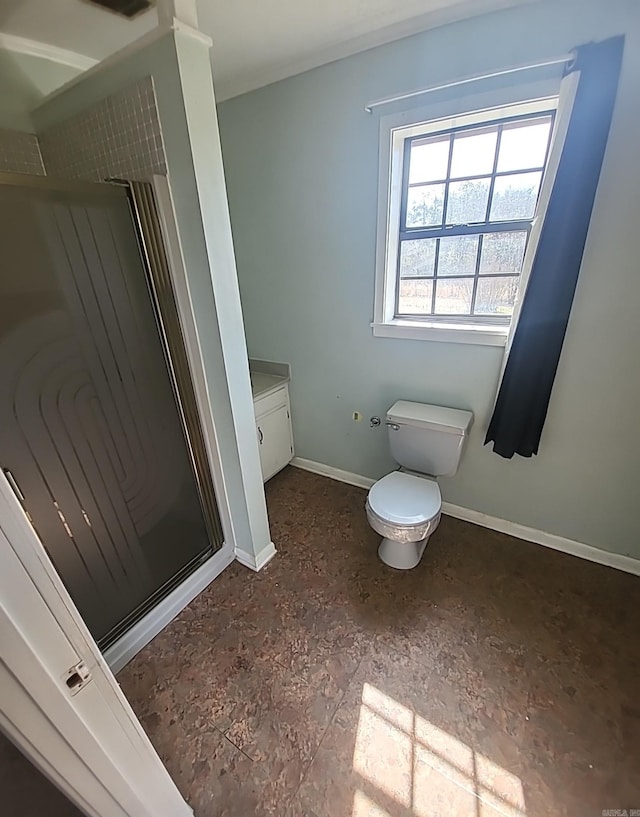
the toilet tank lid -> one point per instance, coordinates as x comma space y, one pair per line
437, 418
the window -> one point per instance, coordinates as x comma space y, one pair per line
461, 200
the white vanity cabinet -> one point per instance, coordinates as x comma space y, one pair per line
273, 426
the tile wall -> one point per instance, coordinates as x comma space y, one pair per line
118, 137
20, 153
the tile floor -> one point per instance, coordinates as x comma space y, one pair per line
497, 678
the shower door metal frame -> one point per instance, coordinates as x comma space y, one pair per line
144, 213
122, 650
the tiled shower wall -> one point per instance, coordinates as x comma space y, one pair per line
20, 153
117, 138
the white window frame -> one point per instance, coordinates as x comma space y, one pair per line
394, 130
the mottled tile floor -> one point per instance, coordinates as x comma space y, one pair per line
497, 678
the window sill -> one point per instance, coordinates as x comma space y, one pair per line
443, 332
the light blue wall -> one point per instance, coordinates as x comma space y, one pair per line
301, 162
24, 81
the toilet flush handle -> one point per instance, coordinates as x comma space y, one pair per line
393, 426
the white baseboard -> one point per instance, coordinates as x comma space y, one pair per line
260, 560
333, 473
550, 540
123, 650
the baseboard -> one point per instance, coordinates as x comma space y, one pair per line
123, 650
333, 473
550, 540
260, 560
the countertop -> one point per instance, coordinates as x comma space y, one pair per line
263, 384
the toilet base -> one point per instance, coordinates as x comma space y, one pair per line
402, 555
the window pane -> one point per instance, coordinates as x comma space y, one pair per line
524, 145
458, 255
415, 297
453, 296
496, 296
467, 201
424, 205
417, 257
515, 196
429, 159
502, 252
474, 153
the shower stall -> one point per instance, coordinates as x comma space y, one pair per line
100, 436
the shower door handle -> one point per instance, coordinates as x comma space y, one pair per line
14, 485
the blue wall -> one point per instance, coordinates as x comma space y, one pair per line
301, 161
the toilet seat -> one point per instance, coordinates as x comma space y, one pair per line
405, 499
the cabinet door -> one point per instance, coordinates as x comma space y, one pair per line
274, 437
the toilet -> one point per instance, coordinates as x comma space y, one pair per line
404, 506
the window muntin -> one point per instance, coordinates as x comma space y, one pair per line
467, 202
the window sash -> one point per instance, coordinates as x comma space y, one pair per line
479, 228
471, 316
414, 233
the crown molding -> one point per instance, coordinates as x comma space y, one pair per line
21, 45
189, 31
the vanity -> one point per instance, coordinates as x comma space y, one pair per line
270, 387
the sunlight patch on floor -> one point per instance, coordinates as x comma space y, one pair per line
363, 806
384, 748
424, 770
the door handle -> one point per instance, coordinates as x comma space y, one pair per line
14, 485
261, 435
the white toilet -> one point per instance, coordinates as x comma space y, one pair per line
404, 507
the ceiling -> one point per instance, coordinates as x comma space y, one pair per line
255, 41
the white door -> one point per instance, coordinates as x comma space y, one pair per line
59, 702
274, 438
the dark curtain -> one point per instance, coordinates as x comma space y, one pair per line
523, 399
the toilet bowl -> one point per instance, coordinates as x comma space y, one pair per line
404, 506
404, 509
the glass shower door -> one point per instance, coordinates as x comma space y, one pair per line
90, 429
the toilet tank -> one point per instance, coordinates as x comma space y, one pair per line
426, 438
